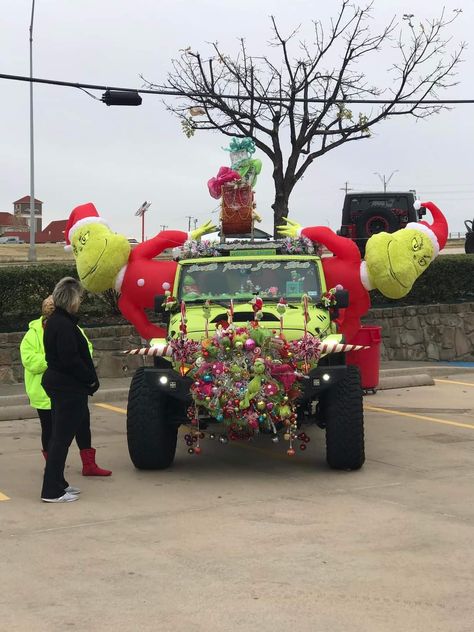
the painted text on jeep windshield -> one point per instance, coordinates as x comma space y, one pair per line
241, 280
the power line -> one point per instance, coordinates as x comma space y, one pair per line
191, 94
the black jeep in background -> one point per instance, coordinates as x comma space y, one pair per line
365, 214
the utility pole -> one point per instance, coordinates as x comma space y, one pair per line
163, 227
189, 218
195, 222
385, 181
32, 249
346, 187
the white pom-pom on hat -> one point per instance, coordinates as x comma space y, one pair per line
417, 205
437, 231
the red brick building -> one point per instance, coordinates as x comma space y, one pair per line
17, 224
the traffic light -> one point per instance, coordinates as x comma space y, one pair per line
121, 97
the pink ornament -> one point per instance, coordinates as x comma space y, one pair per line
250, 344
271, 389
269, 404
166, 286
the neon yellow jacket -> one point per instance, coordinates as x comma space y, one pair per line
34, 363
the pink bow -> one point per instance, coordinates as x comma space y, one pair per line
224, 175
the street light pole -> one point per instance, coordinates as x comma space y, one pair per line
141, 213
32, 250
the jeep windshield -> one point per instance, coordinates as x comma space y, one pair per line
242, 280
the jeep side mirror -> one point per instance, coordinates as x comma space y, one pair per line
342, 298
160, 308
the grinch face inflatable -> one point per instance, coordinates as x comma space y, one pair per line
104, 260
392, 264
99, 254
395, 261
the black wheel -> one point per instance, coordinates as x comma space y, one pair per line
151, 439
376, 220
344, 416
469, 245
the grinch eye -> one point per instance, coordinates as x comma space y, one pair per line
423, 261
416, 243
83, 238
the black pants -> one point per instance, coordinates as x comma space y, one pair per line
68, 411
83, 435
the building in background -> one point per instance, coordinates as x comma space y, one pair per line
17, 224
22, 211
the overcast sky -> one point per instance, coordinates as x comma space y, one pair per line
119, 157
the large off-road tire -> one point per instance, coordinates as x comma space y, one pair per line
342, 410
376, 220
151, 439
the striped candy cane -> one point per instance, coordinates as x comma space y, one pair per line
158, 350
336, 347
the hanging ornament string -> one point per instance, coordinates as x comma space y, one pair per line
305, 313
206, 312
306, 318
183, 329
282, 306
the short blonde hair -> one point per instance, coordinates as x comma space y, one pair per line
47, 307
68, 294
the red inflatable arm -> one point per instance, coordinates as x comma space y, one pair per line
343, 269
154, 246
143, 280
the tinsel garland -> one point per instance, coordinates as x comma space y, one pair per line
192, 249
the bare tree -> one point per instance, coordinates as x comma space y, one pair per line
298, 105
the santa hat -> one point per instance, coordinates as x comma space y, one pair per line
80, 216
437, 231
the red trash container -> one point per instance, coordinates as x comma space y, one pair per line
368, 360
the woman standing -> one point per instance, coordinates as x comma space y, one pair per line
34, 362
69, 380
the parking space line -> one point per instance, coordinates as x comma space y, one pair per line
3, 497
115, 409
422, 417
454, 382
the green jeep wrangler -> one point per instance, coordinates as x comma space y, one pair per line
330, 393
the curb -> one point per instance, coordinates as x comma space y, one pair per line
16, 406
405, 381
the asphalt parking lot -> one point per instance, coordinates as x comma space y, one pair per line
243, 537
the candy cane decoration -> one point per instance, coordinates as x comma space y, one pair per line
157, 350
166, 350
336, 347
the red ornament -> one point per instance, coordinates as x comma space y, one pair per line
303, 446
291, 452
197, 450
